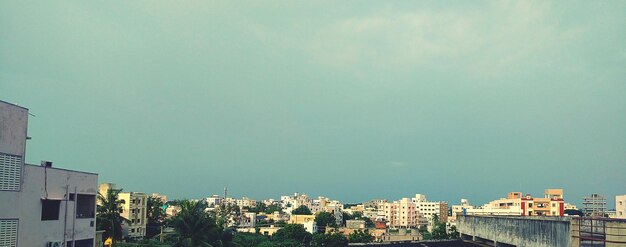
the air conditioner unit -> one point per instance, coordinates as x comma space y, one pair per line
54, 244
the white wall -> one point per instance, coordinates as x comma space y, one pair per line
26, 205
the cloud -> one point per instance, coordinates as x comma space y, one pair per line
491, 42
397, 164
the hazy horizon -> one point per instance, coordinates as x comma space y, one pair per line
351, 100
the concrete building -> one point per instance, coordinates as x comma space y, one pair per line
134, 209
308, 221
515, 203
429, 209
401, 214
41, 205
246, 202
162, 198
620, 207
594, 205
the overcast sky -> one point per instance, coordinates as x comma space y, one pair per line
354, 100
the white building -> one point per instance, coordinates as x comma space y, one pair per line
620, 207
41, 205
429, 209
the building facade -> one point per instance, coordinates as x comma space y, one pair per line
134, 209
620, 207
41, 205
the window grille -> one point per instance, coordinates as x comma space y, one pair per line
8, 233
10, 172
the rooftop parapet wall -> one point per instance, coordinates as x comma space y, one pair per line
518, 230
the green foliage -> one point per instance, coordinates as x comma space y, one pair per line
245, 239
302, 210
194, 227
324, 219
334, 239
108, 216
156, 216
224, 213
439, 229
425, 234
453, 234
273, 208
293, 232
358, 216
360, 237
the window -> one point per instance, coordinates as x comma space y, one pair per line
85, 206
72, 197
84, 243
8, 232
50, 209
10, 172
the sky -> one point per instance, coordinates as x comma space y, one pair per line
353, 100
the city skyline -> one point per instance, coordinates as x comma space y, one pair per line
351, 102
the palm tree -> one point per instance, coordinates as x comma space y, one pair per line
194, 227
108, 217
156, 216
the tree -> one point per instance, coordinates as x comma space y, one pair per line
108, 216
156, 215
453, 234
273, 208
423, 230
225, 214
325, 219
302, 210
294, 232
245, 239
439, 229
358, 216
333, 239
194, 227
360, 236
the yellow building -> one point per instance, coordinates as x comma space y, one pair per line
134, 209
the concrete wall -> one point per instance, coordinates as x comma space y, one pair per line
26, 206
13, 125
518, 231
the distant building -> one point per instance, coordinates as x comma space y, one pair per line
594, 205
620, 207
430, 209
162, 198
355, 224
214, 200
134, 209
41, 205
308, 221
515, 203
401, 214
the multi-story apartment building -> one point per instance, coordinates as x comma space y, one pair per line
620, 206
214, 200
401, 214
134, 209
430, 209
516, 203
41, 205
246, 202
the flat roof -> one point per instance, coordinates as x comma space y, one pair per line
8, 103
63, 169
